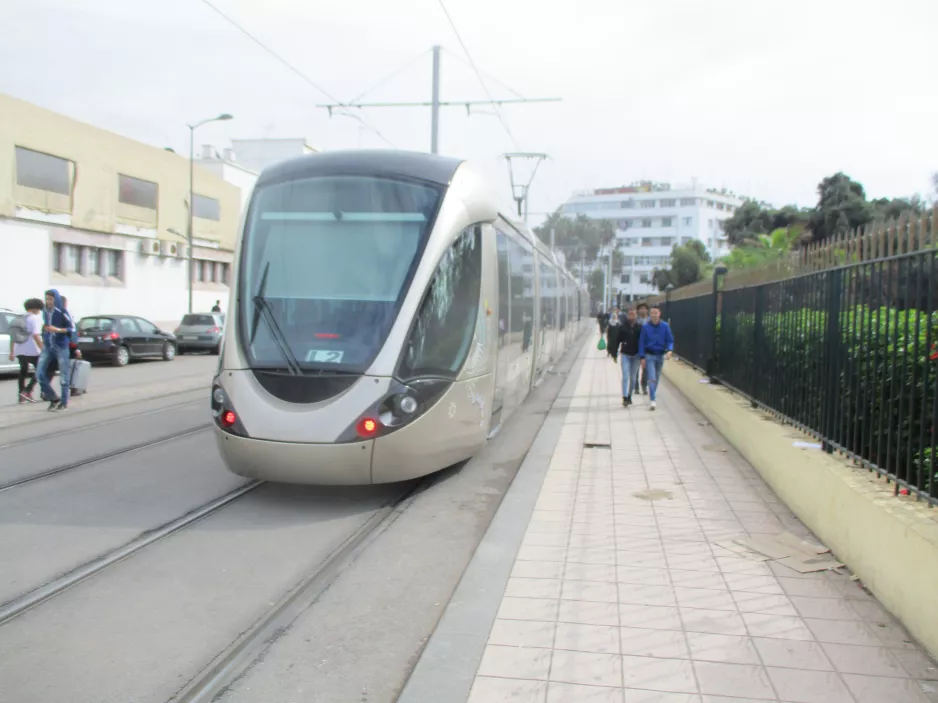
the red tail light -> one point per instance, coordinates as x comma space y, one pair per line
112, 335
214, 330
326, 335
366, 427
228, 418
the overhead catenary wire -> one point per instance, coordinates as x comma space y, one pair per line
391, 75
296, 71
475, 68
487, 75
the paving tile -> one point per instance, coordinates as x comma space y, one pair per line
522, 633
533, 588
586, 668
582, 555
515, 662
717, 622
545, 539
764, 603
649, 617
634, 695
537, 569
843, 632
642, 642
704, 598
640, 594
824, 608
793, 654
587, 638
601, 591
872, 661
877, 689
575, 571
573, 693
800, 686
588, 612
666, 675
643, 576
725, 649
754, 583
530, 553
493, 690
739, 680
542, 609
916, 663
777, 626
697, 579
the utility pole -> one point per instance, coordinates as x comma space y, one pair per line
435, 103
519, 191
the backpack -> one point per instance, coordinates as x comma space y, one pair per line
19, 330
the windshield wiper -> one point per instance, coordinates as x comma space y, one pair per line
261, 306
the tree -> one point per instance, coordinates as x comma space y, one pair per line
594, 284
752, 219
841, 207
885, 209
688, 264
579, 238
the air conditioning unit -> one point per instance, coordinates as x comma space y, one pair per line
172, 249
150, 246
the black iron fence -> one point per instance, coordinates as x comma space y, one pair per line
849, 354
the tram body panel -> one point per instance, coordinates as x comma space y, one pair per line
297, 462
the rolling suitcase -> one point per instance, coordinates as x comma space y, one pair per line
78, 378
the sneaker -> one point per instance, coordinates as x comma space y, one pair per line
21, 398
651, 405
628, 400
28, 397
54, 404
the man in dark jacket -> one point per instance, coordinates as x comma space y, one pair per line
56, 332
629, 332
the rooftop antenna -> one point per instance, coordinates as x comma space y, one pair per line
519, 191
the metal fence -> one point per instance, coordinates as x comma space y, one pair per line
849, 354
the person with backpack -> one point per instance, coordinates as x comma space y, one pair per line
56, 332
26, 335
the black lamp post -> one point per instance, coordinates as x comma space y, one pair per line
667, 302
718, 271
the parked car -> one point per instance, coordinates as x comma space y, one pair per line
6, 366
202, 330
120, 338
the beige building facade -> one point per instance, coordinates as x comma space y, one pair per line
104, 218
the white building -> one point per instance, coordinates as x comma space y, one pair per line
650, 219
225, 167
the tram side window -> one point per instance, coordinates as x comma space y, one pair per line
439, 340
522, 293
504, 290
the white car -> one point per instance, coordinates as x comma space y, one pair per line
6, 366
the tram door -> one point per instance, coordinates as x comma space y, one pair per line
504, 357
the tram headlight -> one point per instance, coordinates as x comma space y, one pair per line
224, 414
408, 405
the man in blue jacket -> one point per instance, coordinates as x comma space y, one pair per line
654, 346
56, 331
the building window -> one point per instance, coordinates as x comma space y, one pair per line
687, 221
645, 278
224, 274
626, 278
667, 241
710, 203
93, 262
206, 208
57, 257
114, 260
686, 240
649, 242
137, 192
648, 204
627, 204
72, 259
668, 202
688, 201
43, 171
720, 206
646, 223
667, 221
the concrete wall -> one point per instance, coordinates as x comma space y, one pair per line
890, 542
98, 157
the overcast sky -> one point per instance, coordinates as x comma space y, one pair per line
764, 97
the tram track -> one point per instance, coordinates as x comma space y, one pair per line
104, 456
53, 588
241, 654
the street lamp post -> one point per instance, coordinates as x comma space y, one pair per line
667, 298
718, 271
221, 118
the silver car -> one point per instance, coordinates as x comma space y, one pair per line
200, 331
7, 366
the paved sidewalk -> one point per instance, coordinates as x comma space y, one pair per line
619, 594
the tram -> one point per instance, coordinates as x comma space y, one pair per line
386, 320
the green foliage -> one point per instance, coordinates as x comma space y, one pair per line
594, 284
881, 400
688, 265
580, 238
752, 219
762, 249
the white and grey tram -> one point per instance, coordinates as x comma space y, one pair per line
386, 320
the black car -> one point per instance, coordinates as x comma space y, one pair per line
120, 338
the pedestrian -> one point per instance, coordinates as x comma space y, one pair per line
654, 347
73, 351
603, 319
629, 332
217, 306
27, 351
642, 310
56, 332
612, 333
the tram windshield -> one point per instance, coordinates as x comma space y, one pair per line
325, 264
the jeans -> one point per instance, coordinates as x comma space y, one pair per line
25, 361
654, 363
630, 368
50, 352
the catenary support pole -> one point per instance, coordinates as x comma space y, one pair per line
435, 106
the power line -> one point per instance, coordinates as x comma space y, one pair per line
388, 77
472, 63
488, 75
295, 70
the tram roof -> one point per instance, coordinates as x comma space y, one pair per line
365, 162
